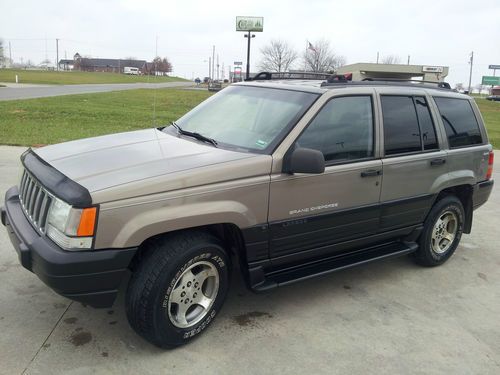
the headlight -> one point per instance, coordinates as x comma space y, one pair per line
71, 228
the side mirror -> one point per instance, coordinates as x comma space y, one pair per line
306, 160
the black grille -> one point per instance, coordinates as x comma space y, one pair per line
35, 201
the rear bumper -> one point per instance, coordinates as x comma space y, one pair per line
481, 193
92, 277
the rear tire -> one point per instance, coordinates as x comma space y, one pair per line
442, 232
178, 288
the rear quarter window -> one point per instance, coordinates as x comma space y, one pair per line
460, 123
401, 129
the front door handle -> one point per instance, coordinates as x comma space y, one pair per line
436, 162
371, 173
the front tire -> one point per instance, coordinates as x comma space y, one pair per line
442, 232
178, 288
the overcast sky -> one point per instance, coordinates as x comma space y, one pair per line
439, 32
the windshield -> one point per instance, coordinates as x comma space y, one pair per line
248, 118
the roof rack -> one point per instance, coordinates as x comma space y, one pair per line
331, 79
268, 76
393, 81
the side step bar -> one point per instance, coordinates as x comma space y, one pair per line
332, 264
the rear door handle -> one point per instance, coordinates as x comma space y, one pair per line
436, 162
371, 173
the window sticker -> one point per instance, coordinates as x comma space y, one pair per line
260, 143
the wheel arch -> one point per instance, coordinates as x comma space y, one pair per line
464, 194
228, 233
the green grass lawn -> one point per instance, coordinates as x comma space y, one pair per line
491, 116
63, 118
73, 78
58, 119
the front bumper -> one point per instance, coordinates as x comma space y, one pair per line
92, 277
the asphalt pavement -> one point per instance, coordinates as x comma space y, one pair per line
29, 91
390, 317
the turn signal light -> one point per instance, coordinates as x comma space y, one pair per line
87, 222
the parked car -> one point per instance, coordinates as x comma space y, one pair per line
494, 98
278, 180
214, 86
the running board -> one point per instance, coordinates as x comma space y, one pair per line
332, 264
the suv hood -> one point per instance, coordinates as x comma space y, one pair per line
114, 160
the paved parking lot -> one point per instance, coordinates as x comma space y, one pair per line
390, 317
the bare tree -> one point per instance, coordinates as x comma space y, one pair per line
391, 59
277, 56
479, 87
161, 65
166, 65
319, 57
2, 58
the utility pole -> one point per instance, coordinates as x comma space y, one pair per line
408, 59
218, 67
471, 61
377, 57
209, 68
213, 62
249, 36
10, 55
57, 54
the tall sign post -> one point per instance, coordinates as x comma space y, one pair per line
494, 68
249, 25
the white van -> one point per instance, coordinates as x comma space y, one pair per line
131, 70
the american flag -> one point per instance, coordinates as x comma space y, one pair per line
311, 47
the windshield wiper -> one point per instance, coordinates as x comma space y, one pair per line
198, 136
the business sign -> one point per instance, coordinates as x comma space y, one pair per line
490, 81
250, 24
494, 67
238, 63
432, 69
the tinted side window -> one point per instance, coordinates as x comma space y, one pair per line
459, 121
342, 130
426, 125
401, 131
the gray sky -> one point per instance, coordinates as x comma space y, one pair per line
439, 32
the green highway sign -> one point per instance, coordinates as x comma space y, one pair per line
490, 80
250, 24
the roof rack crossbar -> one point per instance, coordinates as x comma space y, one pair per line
267, 76
440, 84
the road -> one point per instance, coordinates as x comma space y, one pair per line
27, 91
390, 317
